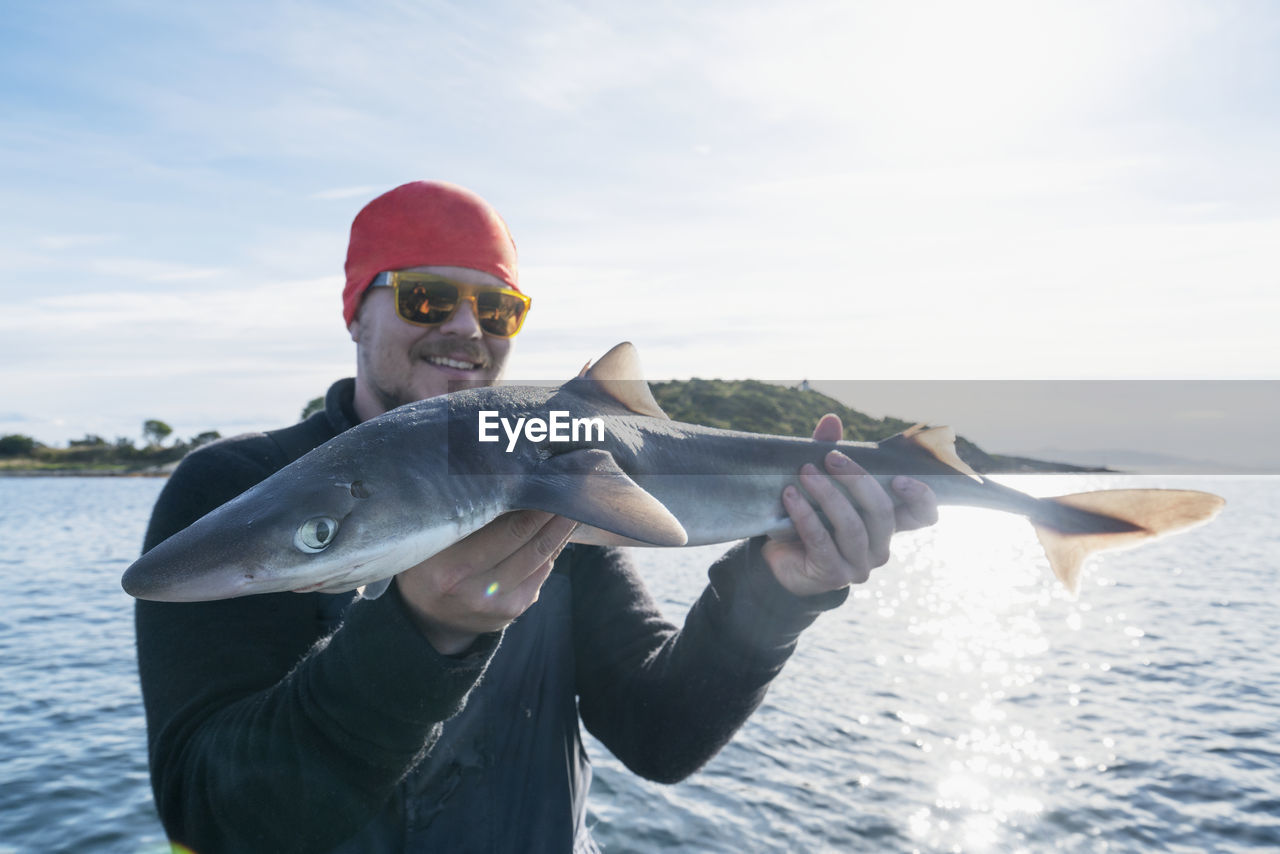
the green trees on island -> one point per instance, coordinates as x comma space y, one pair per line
93, 452
155, 432
15, 445
313, 406
749, 405
760, 407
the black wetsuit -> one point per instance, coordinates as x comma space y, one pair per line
316, 722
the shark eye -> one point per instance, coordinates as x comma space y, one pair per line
315, 534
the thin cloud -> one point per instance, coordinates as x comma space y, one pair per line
345, 192
765, 191
230, 312
151, 271
74, 241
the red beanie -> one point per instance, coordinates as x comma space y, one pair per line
426, 223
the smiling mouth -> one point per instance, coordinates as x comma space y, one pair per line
456, 364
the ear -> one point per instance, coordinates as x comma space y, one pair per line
354, 329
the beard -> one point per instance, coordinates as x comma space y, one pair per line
398, 393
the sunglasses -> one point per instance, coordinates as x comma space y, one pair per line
425, 299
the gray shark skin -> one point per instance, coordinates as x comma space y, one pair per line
395, 490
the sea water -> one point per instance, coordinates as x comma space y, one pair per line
959, 701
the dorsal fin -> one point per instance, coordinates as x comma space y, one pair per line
941, 443
618, 375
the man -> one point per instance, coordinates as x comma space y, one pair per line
314, 722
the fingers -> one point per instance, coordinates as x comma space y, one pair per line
822, 559
537, 537
859, 520
483, 582
505, 551
862, 529
844, 521
829, 428
839, 553
507, 535
917, 506
522, 597
867, 502
531, 560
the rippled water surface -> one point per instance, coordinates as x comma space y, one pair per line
958, 702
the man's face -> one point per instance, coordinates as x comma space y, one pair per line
399, 363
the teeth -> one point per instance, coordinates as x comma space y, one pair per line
446, 362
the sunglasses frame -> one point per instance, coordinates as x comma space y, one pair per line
466, 292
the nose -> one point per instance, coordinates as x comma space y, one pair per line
464, 323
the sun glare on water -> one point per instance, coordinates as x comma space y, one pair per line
977, 616
963, 701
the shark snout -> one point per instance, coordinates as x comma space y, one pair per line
161, 576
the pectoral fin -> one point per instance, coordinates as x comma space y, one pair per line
374, 589
588, 486
590, 536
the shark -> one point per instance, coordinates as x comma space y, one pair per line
396, 489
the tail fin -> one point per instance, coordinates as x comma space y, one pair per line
1150, 513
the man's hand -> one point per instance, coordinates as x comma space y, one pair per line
863, 518
482, 583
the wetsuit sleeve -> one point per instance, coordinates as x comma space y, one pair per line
665, 700
268, 730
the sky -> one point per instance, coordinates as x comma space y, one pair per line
832, 191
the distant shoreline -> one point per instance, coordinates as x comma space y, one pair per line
751, 406
79, 473
1002, 465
